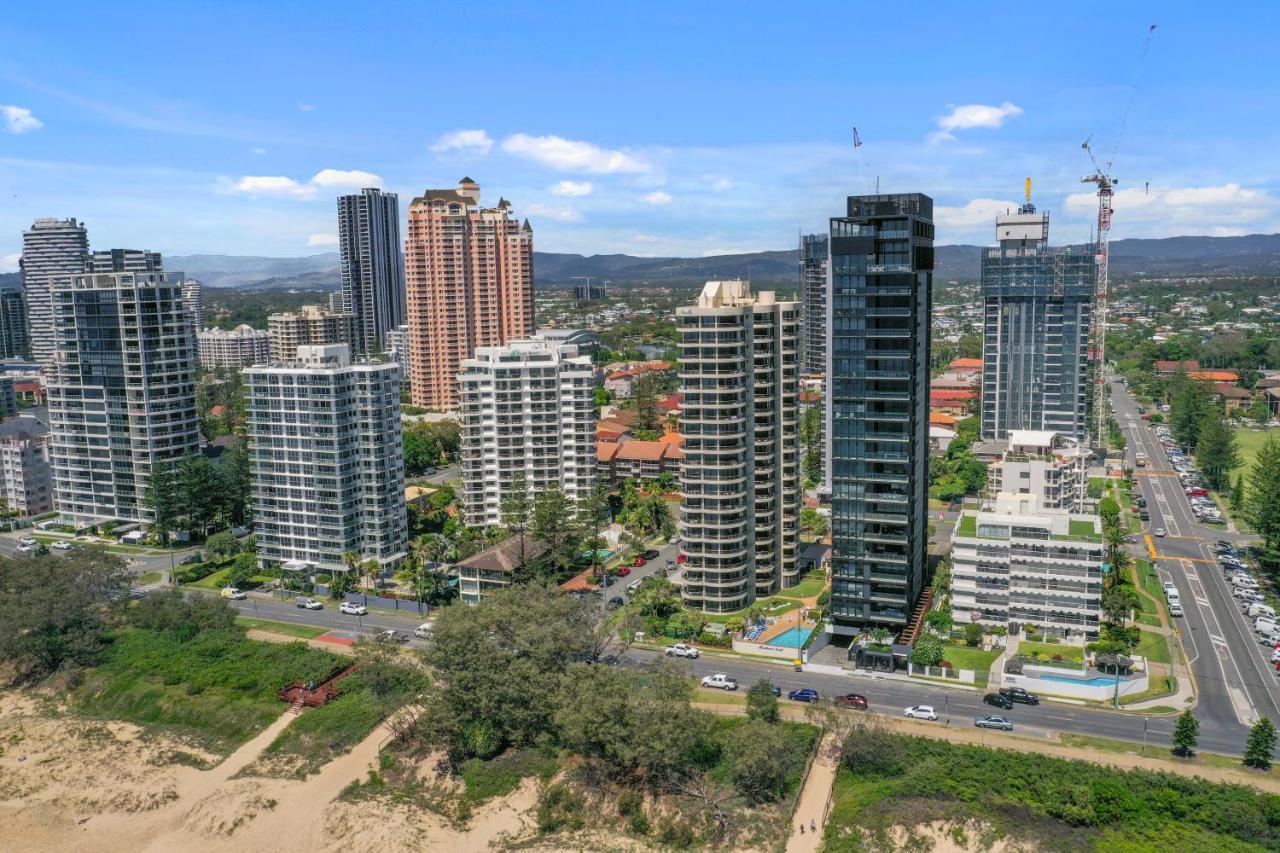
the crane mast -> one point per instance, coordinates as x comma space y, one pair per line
1098, 346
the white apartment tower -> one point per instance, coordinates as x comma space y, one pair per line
53, 250
525, 407
193, 296
25, 481
240, 347
327, 460
739, 384
121, 391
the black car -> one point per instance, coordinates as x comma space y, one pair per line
1144, 515
650, 554
773, 688
1017, 694
1002, 702
1142, 502
186, 561
616, 602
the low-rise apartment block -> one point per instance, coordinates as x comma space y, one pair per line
240, 347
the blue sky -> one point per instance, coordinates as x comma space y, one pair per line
656, 128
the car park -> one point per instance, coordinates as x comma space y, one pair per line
1265, 626
994, 721
1018, 694
851, 700
998, 701
1259, 609
921, 712
720, 681
804, 694
307, 603
351, 608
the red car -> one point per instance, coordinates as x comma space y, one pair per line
851, 700
638, 562
624, 571
682, 558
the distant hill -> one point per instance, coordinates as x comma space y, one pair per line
10, 280
1257, 254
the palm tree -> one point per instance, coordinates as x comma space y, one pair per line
372, 570
351, 558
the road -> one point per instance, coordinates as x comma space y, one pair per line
1235, 681
140, 563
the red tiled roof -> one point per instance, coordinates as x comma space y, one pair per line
1233, 392
1175, 366
606, 450
952, 394
941, 419
965, 363
641, 451
1215, 375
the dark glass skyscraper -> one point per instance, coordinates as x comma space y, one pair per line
372, 266
1037, 307
813, 289
878, 411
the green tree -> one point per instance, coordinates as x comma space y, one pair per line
813, 522
1237, 495
1216, 450
1263, 505
973, 635
1118, 602
1189, 403
243, 568
592, 514
371, 570
928, 651
199, 493
762, 705
340, 585
760, 759
551, 522
939, 621
1186, 734
222, 544
1260, 410
235, 484
517, 514
648, 423
161, 496
1261, 745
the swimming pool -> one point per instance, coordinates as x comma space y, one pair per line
791, 638
1096, 681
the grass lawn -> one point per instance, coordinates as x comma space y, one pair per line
1083, 529
721, 697
1073, 654
1205, 759
303, 632
810, 587
217, 580
1154, 647
217, 688
148, 578
1249, 442
968, 526
964, 657
1159, 687
1150, 581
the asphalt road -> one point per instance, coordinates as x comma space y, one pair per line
1234, 679
139, 562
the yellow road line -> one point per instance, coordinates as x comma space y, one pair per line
1188, 559
1151, 546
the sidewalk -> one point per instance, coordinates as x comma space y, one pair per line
815, 800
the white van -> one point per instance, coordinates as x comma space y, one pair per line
1265, 626
1261, 610
1243, 580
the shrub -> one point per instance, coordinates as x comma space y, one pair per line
559, 808
1058, 658
972, 634
639, 823
675, 834
946, 664
629, 802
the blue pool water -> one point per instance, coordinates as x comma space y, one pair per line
790, 638
1096, 681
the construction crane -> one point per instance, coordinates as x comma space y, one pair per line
1105, 181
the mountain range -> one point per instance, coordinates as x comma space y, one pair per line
1255, 254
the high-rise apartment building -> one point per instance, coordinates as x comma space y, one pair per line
396, 346
372, 265
469, 274
311, 325
878, 407
53, 250
740, 478
813, 287
26, 484
1037, 308
525, 408
122, 397
126, 260
327, 460
240, 347
193, 296
13, 323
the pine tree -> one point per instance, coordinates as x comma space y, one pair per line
1186, 734
1261, 745
517, 512
1237, 495
1263, 506
1216, 450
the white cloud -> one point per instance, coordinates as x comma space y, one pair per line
976, 214
307, 108
322, 240
19, 119
658, 197
716, 183
9, 263
1225, 210
272, 185
467, 141
572, 188
973, 115
259, 151
572, 156
353, 178
560, 214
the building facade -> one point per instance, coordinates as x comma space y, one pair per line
1037, 308
813, 286
525, 408
310, 325
878, 408
193, 296
14, 341
26, 484
372, 265
240, 347
327, 461
469, 276
740, 478
121, 391
53, 250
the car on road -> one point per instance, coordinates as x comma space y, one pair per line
1159, 531
27, 540
851, 700
1002, 702
623, 571
720, 681
773, 688
1175, 609
61, 546
24, 548
352, 609
1144, 515
307, 603
191, 559
423, 631
240, 532
650, 554
1169, 588
639, 561
804, 694
921, 712
1018, 694
390, 636
615, 602
681, 650
994, 721
232, 593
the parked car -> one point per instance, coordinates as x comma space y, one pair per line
24, 548
389, 636
998, 701
615, 602
773, 688
1175, 609
27, 540
1159, 531
851, 700
61, 545
994, 721
921, 712
352, 609
1144, 515
623, 571
238, 532
681, 650
307, 603
804, 694
650, 554
232, 593
1018, 694
191, 559
423, 631
639, 561
720, 681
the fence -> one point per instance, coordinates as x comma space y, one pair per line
363, 598
961, 676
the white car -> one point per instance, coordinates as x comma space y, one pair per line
352, 609
234, 594
681, 650
921, 712
309, 604
1159, 531
24, 548
423, 631
61, 546
720, 681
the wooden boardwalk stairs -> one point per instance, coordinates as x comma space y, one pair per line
307, 694
916, 625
